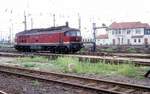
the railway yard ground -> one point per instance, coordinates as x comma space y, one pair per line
16, 85
131, 70
127, 73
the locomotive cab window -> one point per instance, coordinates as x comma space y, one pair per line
72, 33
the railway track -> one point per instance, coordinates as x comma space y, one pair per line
130, 55
107, 59
98, 85
1, 92
133, 55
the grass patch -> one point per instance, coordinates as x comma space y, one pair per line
101, 67
73, 65
29, 64
83, 49
33, 59
128, 70
35, 83
131, 50
108, 50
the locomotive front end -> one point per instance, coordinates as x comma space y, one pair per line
74, 39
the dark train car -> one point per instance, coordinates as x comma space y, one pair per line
62, 39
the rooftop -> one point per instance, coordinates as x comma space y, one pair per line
102, 36
128, 25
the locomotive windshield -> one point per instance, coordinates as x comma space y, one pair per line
73, 33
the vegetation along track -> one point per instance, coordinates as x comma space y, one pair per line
107, 59
99, 85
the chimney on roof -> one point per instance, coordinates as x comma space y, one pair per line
67, 24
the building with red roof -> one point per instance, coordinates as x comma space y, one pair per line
102, 39
128, 25
102, 36
129, 33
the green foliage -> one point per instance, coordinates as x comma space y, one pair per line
108, 50
96, 68
67, 64
35, 83
131, 50
28, 64
83, 49
33, 59
128, 70
64, 62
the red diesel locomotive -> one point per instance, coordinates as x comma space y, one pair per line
61, 39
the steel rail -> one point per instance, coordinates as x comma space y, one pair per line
126, 86
108, 59
133, 55
2, 92
62, 82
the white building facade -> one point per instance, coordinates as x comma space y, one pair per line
102, 39
129, 33
147, 36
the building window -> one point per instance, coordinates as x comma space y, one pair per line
135, 40
116, 32
147, 32
146, 41
118, 40
119, 31
128, 41
139, 40
122, 31
138, 31
113, 41
128, 31
113, 32
122, 41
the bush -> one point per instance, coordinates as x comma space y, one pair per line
131, 50
68, 64
29, 64
108, 50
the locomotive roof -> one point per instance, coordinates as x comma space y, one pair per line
51, 29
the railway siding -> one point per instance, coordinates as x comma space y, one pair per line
110, 59
2, 92
88, 83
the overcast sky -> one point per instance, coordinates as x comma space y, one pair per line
41, 11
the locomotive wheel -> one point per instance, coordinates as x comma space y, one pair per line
66, 50
61, 50
53, 50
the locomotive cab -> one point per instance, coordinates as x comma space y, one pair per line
73, 37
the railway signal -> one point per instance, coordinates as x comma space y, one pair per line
94, 34
54, 20
25, 21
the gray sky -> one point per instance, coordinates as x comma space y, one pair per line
99, 11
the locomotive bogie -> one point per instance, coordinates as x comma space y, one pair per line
69, 48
